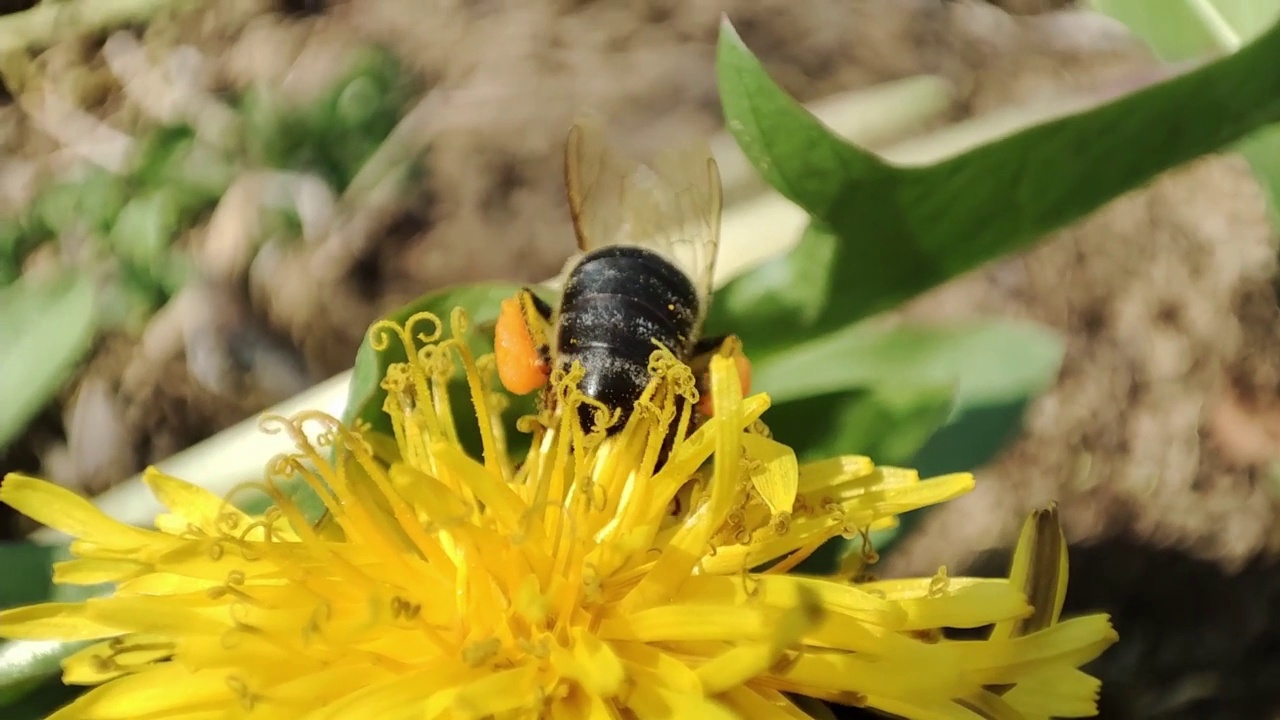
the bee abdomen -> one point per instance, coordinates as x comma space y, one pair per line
636, 273
618, 304
624, 324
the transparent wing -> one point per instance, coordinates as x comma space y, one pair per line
671, 206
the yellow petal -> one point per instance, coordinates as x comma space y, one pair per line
767, 544
1071, 643
581, 705
818, 477
496, 693
923, 708
193, 505
429, 687
153, 615
54, 621
658, 703
691, 622
746, 660
785, 591
991, 706
1056, 691
165, 690
689, 544
507, 508
765, 704
113, 658
316, 690
640, 659
774, 472
864, 506
93, 571
63, 510
591, 663
955, 602
927, 676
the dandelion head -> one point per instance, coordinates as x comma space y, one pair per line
638, 573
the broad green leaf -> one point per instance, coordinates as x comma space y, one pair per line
27, 576
987, 361
47, 328
889, 425
904, 230
790, 291
1190, 29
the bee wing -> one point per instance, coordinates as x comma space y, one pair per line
671, 206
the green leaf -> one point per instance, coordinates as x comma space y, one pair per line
102, 196
48, 327
15, 243
267, 140
986, 361
334, 135
57, 207
27, 573
90, 203
788, 292
904, 230
889, 425
146, 228
1190, 29
172, 158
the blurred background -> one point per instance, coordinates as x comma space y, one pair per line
239, 188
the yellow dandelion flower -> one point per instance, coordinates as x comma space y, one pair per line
450, 586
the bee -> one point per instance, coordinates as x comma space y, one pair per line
648, 236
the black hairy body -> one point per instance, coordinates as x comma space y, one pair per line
618, 303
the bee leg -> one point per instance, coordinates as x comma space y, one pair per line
520, 343
725, 346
